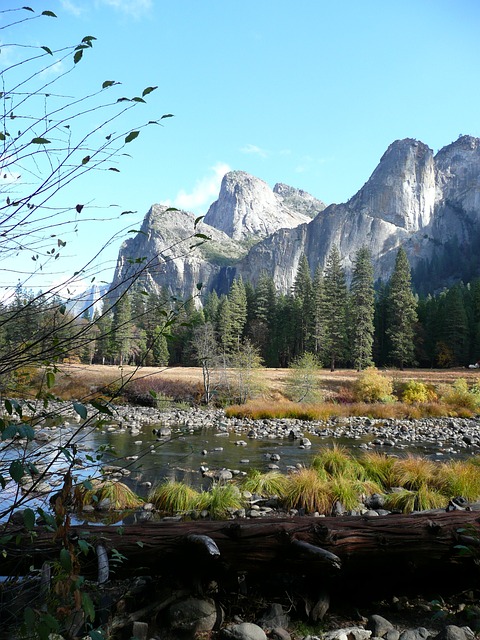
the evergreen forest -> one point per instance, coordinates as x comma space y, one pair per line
355, 324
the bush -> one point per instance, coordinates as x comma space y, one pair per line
155, 392
174, 497
459, 395
302, 380
372, 386
414, 391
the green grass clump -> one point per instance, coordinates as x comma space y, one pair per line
338, 462
268, 484
414, 472
459, 478
408, 501
174, 497
307, 490
121, 497
221, 500
379, 468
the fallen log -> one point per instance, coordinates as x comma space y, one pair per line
412, 547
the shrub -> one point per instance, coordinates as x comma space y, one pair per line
154, 392
337, 462
459, 478
414, 472
414, 391
302, 380
372, 386
459, 395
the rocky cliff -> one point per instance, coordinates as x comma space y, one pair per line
248, 209
428, 203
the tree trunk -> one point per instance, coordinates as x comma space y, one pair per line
414, 549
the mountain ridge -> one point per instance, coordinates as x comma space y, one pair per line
414, 198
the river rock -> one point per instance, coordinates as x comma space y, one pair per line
244, 631
349, 633
274, 616
378, 625
452, 632
193, 615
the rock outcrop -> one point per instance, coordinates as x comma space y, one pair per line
428, 203
247, 208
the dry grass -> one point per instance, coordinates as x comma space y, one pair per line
86, 382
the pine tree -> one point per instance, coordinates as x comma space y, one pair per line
303, 294
238, 309
224, 324
122, 329
261, 329
318, 311
335, 310
401, 313
455, 329
160, 351
362, 309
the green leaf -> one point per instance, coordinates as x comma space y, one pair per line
197, 220
2, 481
28, 9
80, 409
101, 407
148, 90
87, 606
50, 14
199, 285
2, 136
96, 635
88, 40
50, 378
29, 619
167, 115
131, 136
9, 432
124, 213
108, 83
88, 485
84, 546
40, 141
123, 100
137, 99
65, 560
114, 169
202, 236
29, 519
140, 544
78, 56
47, 49
16, 470
85, 159
153, 393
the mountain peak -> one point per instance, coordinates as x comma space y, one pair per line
247, 207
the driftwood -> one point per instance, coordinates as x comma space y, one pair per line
348, 549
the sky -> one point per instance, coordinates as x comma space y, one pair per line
309, 93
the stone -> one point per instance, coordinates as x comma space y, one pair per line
193, 615
140, 630
348, 633
273, 616
378, 625
244, 631
452, 632
278, 633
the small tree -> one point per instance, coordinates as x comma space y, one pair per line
362, 309
205, 351
245, 362
302, 380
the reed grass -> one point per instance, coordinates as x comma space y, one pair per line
221, 500
306, 490
422, 499
414, 473
174, 497
458, 478
272, 483
379, 468
337, 462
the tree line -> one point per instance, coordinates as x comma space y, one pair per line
355, 324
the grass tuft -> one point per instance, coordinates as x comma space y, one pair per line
306, 490
268, 484
174, 497
221, 500
121, 497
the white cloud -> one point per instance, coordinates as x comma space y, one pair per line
253, 149
203, 193
131, 7
72, 7
54, 69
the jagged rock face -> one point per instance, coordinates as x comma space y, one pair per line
165, 254
402, 188
247, 208
412, 199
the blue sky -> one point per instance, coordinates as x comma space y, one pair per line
309, 93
